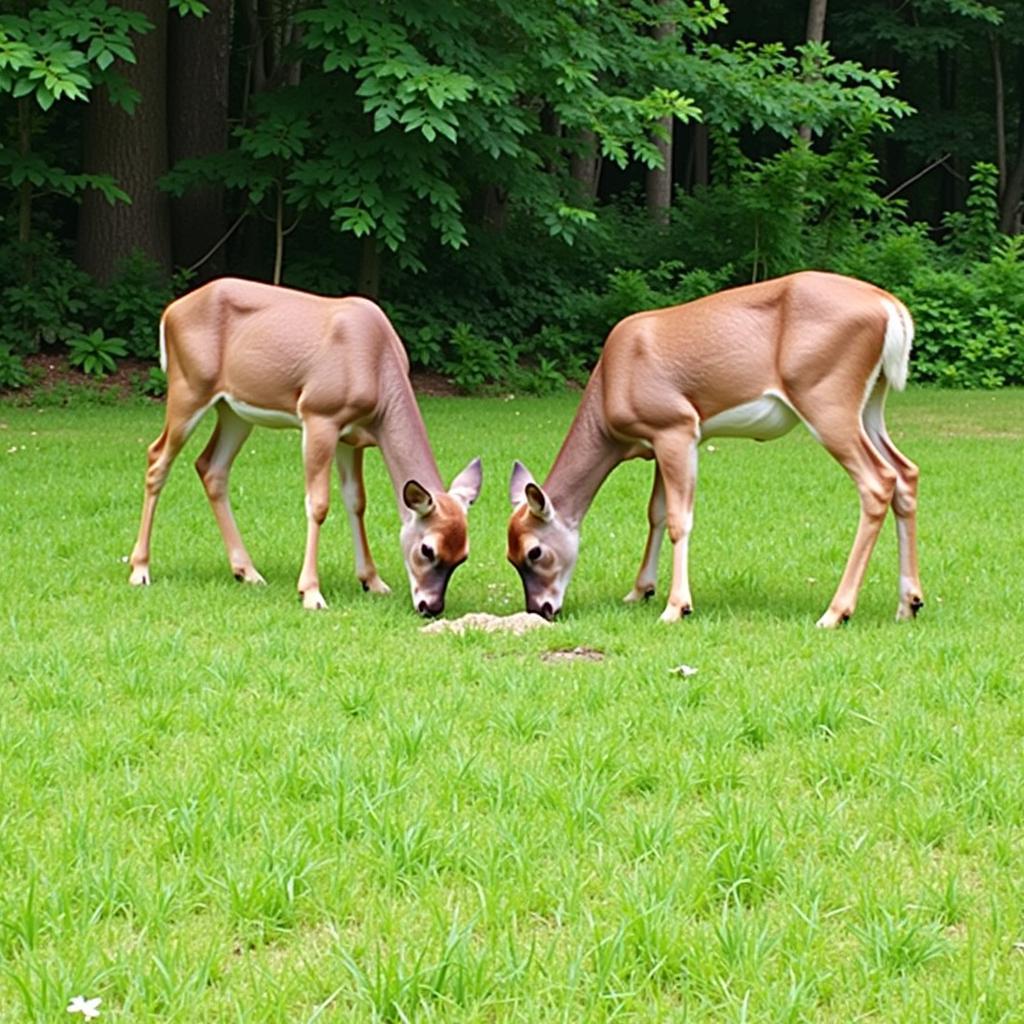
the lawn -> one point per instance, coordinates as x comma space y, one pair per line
217, 807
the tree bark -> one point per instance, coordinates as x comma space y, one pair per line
133, 148
25, 191
199, 52
701, 161
495, 208
1000, 103
585, 164
951, 191
659, 179
1013, 194
369, 268
816, 13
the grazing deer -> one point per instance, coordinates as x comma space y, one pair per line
748, 362
334, 368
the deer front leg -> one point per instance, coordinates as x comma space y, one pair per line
319, 440
349, 461
647, 577
214, 468
677, 459
183, 414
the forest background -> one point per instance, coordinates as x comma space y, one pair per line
508, 178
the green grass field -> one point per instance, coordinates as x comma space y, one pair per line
217, 807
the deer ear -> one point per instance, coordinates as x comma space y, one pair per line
521, 476
539, 502
417, 498
466, 486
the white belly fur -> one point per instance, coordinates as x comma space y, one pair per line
261, 417
763, 419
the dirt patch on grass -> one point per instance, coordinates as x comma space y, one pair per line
518, 624
575, 654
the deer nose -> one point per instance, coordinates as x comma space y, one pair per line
547, 611
430, 610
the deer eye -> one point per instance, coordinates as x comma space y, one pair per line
427, 552
534, 553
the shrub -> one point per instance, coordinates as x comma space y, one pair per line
12, 370
94, 353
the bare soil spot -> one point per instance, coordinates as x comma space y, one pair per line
517, 624
575, 654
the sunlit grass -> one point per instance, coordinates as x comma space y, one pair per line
218, 807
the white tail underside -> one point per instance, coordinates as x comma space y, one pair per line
899, 336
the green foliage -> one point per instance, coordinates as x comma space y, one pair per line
132, 303
405, 114
153, 384
46, 298
95, 353
12, 370
60, 50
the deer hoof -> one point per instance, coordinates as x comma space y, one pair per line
673, 613
832, 619
313, 600
139, 576
908, 609
375, 585
250, 575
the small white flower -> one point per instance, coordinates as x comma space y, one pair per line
711, 448
683, 670
88, 1008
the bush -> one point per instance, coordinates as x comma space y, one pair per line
47, 298
12, 370
131, 305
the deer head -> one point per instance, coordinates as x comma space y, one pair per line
434, 537
541, 546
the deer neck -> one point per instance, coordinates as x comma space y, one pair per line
587, 456
401, 435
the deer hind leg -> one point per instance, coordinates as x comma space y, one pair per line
349, 461
319, 441
647, 577
214, 468
904, 503
676, 453
849, 444
182, 417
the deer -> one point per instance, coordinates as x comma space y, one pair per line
334, 368
752, 362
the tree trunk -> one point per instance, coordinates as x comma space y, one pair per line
1000, 103
585, 164
133, 148
495, 208
816, 13
950, 190
1013, 193
199, 52
551, 125
25, 190
701, 163
659, 179
369, 268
